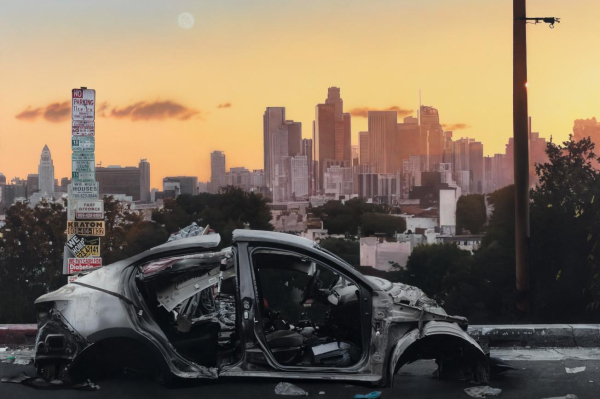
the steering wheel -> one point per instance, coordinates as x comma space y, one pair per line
311, 287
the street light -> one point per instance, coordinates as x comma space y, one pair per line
521, 149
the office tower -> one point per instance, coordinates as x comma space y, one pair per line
46, 172
273, 118
382, 141
33, 184
280, 164
432, 138
257, 179
331, 134
299, 177
117, 180
144, 167
307, 150
338, 181
202, 187
217, 171
383, 188
186, 184
354, 155
411, 175
363, 148
408, 136
476, 166
294, 137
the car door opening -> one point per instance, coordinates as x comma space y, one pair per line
193, 300
309, 313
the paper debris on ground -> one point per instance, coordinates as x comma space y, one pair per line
285, 388
569, 396
575, 370
482, 391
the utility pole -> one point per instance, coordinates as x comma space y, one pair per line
521, 150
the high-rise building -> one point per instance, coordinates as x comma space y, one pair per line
307, 151
144, 167
363, 148
338, 181
381, 187
294, 137
299, 177
217, 171
408, 135
280, 164
432, 138
257, 179
382, 141
239, 177
186, 184
273, 118
354, 155
46, 172
33, 184
476, 166
115, 180
331, 134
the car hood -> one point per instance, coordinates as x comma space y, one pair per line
404, 293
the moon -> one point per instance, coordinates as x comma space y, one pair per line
185, 20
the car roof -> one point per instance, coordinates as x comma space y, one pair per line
272, 237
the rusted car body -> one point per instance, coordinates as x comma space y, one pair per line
272, 305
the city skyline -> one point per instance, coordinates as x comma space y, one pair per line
205, 108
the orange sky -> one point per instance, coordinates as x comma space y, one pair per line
257, 53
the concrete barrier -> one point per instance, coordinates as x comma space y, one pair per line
17, 334
538, 335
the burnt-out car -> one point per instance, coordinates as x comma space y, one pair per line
272, 305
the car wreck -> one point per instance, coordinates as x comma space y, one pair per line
271, 305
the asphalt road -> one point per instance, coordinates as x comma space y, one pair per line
531, 380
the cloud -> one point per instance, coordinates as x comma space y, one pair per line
224, 105
29, 114
363, 112
140, 111
58, 112
159, 110
455, 126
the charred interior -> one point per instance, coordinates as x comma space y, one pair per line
309, 313
193, 300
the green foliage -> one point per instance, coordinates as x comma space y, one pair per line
381, 223
348, 250
231, 209
470, 213
565, 221
346, 218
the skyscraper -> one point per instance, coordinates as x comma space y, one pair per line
408, 136
382, 141
46, 172
363, 148
144, 167
115, 179
217, 171
331, 134
307, 150
432, 138
273, 118
294, 137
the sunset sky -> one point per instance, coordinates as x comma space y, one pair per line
173, 95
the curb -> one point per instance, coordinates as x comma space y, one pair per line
17, 334
537, 335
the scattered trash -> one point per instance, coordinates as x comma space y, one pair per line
591, 381
10, 359
569, 396
321, 392
370, 395
3, 349
285, 388
498, 365
482, 391
575, 370
23, 360
40, 383
190, 231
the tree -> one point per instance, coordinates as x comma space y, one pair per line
470, 213
348, 250
565, 223
232, 208
372, 223
346, 218
31, 252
